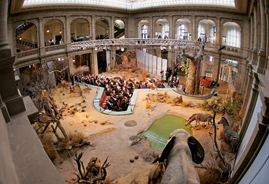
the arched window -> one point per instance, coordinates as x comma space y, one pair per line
181, 31
233, 37
144, 31
201, 31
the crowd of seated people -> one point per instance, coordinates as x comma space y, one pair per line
149, 84
118, 91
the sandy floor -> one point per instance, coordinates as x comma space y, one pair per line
112, 140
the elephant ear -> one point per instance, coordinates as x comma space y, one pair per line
197, 151
168, 147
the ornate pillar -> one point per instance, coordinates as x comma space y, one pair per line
151, 30
41, 37
171, 30
111, 31
193, 34
170, 58
218, 32
94, 63
112, 57
67, 34
255, 37
216, 70
262, 52
93, 27
12, 102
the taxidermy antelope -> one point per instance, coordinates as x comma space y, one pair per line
180, 151
200, 117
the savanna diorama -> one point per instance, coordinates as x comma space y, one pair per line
99, 129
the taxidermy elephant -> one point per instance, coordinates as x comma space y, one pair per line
180, 151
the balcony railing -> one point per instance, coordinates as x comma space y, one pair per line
54, 47
132, 41
27, 53
232, 49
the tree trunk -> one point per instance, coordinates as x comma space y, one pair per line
63, 131
190, 83
197, 79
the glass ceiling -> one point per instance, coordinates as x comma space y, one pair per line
131, 4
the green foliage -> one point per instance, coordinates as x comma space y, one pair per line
231, 108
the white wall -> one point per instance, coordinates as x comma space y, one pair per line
258, 171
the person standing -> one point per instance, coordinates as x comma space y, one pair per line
167, 75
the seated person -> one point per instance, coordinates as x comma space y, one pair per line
110, 105
124, 103
213, 82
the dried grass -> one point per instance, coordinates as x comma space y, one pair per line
153, 99
236, 126
187, 104
148, 106
210, 174
106, 123
76, 138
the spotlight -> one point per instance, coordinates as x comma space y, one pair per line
95, 48
122, 49
60, 31
48, 30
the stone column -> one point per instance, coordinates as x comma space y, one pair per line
216, 66
151, 30
250, 107
70, 66
93, 27
194, 28
41, 37
170, 59
262, 52
12, 101
112, 57
94, 63
255, 36
111, 31
67, 34
171, 30
248, 90
219, 33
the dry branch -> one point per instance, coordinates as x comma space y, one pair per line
225, 174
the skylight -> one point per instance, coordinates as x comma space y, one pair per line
131, 4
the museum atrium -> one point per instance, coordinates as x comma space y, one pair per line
92, 33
